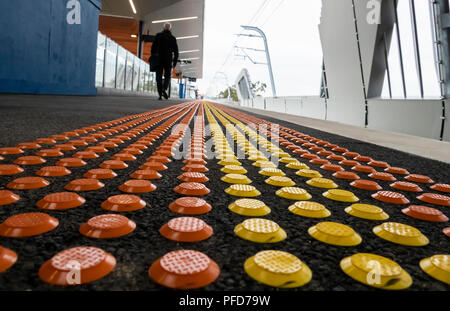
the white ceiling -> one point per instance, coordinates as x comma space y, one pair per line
151, 10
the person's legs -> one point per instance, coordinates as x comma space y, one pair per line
159, 81
167, 76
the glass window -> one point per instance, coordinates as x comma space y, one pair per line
110, 63
142, 76
136, 66
129, 72
101, 39
121, 58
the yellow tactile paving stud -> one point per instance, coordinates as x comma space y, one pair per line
288, 160
335, 233
233, 169
258, 158
278, 269
264, 164
376, 271
249, 207
308, 173
229, 161
297, 165
309, 209
293, 193
340, 195
281, 155
400, 234
322, 183
438, 267
236, 179
242, 191
366, 211
280, 181
271, 172
260, 230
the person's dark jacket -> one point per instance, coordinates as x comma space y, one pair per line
165, 45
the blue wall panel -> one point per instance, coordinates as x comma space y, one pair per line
40, 53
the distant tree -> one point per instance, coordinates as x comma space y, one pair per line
230, 92
258, 88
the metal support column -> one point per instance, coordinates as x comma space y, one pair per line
269, 63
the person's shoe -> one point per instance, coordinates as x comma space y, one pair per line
160, 98
164, 94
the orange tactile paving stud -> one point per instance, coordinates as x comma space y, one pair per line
336, 157
29, 146
8, 197
1, 158
184, 269
382, 176
29, 160
78, 265
349, 163
77, 142
419, 178
162, 159
446, 231
45, 141
60, 201
25, 183
7, 259
100, 173
406, 186
190, 206
127, 157
85, 155
396, 170
441, 187
319, 162
64, 147
53, 171
137, 186
390, 197
361, 158
123, 203
114, 164
350, 154
186, 229
194, 168
332, 167
133, 151
363, 168
10, 150
71, 162
193, 177
425, 213
59, 137
28, 224
191, 188
346, 175
156, 166
10, 169
366, 185
84, 184
107, 144
195, 161
146, 174
434, 198
49, 153
381, 164
107, 226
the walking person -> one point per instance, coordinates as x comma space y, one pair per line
165, 47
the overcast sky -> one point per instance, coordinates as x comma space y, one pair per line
291, 27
